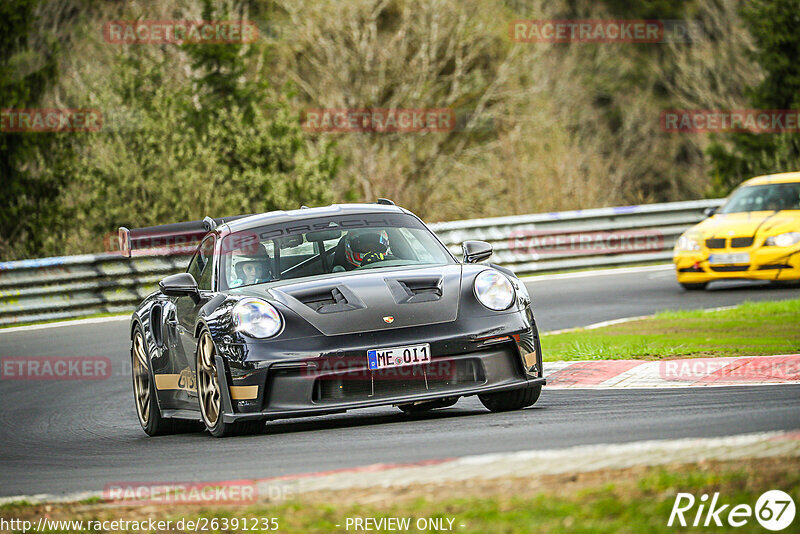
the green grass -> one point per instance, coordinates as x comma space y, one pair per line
752, 328
639, 503
10, 507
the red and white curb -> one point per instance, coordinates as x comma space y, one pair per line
687, 372
583, 458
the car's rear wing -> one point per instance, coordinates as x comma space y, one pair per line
173, 235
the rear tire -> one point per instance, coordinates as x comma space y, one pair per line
785, 283
144, 394
694, 287
209, 394
515, 399
424, 407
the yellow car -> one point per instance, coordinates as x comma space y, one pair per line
755, 235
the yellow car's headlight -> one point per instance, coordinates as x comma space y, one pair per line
783, 240
687, 243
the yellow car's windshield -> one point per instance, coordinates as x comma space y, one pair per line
768, 197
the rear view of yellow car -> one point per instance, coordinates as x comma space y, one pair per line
755, 235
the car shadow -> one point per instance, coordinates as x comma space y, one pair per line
749, 285
355, 420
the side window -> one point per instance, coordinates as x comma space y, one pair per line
202, 264
194, 265
207, 257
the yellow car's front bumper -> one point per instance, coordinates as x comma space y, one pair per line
766, 263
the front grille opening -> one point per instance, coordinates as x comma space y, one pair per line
730, 268
715, 242
774, 266
741, 242
437, 376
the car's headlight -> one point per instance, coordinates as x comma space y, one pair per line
257, 318
494, 290
687, 243
783, 240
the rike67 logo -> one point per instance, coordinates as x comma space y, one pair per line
774, 510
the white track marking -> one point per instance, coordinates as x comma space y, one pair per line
613, 322
73, 322
602, 272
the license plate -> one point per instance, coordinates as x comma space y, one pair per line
399, 356
739, 257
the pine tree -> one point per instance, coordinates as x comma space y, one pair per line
736, 157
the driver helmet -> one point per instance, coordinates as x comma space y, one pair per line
366, 246
249, 271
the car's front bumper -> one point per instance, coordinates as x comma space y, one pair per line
311, 410
766, 263
280, 386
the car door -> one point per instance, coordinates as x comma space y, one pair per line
201, 267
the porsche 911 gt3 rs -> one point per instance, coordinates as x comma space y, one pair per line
323, 310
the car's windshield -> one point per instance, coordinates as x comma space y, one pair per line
327, 245
770, 197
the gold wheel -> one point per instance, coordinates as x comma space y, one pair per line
207, 382
141, 379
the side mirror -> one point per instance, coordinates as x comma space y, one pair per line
708, 212
475, 251
179, 285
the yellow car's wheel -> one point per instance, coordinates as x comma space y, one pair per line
694, 287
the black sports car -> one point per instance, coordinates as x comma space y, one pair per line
321, 310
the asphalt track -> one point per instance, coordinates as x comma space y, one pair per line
60, 437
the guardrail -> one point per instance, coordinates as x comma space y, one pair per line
77, 286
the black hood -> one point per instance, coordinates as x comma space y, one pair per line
378, 299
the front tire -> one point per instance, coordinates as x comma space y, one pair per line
515, 399
144, 393
209, 394
694, 287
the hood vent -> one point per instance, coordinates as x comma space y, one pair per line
329, 299
410, 290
